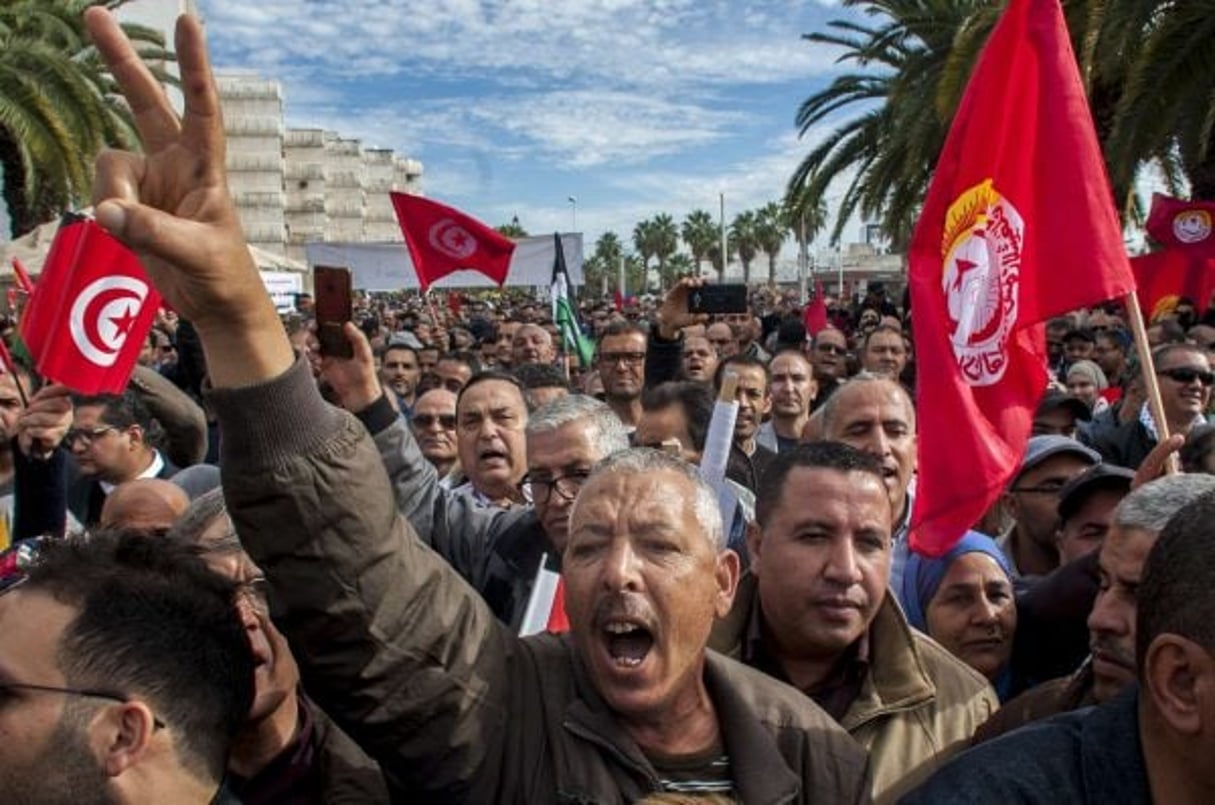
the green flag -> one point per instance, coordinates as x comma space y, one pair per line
565, 313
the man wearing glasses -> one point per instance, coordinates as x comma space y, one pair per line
829, 357
1032, 500
434, 426
621, 363
109, 443
124, 674
1183, 372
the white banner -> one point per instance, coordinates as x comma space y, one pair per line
282, 287
388, 267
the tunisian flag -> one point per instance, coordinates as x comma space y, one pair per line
90, 312
443, 240
1018, 226
1186, 264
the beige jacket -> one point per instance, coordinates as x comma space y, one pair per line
918, 704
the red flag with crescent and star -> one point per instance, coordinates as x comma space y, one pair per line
443, 240
91, 311
1018, 225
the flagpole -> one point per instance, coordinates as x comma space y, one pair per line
1150, 385
722, 227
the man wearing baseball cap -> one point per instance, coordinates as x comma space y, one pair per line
1060, 414
1032, 500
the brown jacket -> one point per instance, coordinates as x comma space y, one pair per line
414, 666
1051, 698
918, 704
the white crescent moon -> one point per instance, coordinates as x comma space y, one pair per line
452, 239
127, 302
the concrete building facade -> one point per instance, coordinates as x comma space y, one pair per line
294, 186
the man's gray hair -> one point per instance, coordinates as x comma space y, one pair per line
831, 408
202, 514
607, 431
1152, 505
647, 459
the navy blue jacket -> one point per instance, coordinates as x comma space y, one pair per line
1087, 756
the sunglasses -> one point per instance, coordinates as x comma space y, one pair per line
1184, 375
446, 421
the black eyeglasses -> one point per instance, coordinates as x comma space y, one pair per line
567, 485
7, 688
423, 421
86, 435
627, 358
1184, 375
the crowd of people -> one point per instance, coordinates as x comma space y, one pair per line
267, 575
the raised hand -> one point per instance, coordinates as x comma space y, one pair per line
45, 421
171, 205
354, 379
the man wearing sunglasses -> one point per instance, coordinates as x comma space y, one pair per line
434, 426
1183, 372
124, 675
829, 356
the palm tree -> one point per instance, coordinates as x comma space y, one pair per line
604, 264
666, 241
699, 233
744, 236
646, 245
1163, 112
58, 106
771, 229
805, 220
681, 265
890, 149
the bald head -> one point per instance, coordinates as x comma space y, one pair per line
146, 504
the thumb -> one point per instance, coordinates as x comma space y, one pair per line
149, 231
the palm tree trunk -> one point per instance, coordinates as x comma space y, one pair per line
771, 270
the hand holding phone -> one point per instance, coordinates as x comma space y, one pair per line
333, 309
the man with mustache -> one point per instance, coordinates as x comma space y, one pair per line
754, 403
814, 611
491, 413
453, 705
1110, 668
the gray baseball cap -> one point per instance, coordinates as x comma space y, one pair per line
1040, 448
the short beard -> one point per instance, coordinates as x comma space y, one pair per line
66, 773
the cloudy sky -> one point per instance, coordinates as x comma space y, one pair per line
633, 107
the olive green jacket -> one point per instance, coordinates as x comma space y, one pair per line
918, 704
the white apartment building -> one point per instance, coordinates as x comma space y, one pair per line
294, 186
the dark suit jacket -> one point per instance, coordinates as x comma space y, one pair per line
85, 497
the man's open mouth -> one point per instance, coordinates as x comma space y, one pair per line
628, 643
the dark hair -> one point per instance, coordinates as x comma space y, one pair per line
882, 328
740, 360
154, 622
693, 398
819, 455
622, 328
398, 346
1175, 592
540, 376
1118, 337
485, 376
1079, 334
463, 356
120, 410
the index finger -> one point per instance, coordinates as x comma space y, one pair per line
154, 117
1162, 460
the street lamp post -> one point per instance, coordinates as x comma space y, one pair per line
573, 213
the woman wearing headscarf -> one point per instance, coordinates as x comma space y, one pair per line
1086, 382
964, 601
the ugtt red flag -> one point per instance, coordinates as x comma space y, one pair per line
443, 240
90, 312
1018, 226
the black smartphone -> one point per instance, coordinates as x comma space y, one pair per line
333, 309
718, 299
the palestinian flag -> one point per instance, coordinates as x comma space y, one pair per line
565, 314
